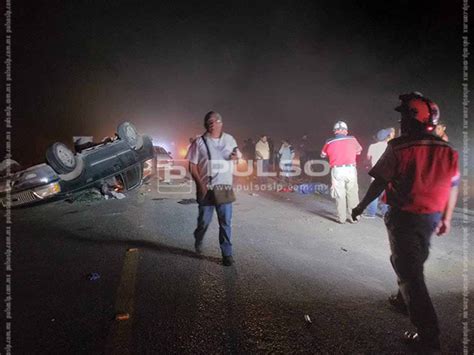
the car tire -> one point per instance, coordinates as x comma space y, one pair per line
77, 170
127, 132
61, 158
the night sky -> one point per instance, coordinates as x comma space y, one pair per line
284, 68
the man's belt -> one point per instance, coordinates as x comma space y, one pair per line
341, 166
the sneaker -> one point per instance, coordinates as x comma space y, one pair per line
227, 260
368, 216
422, 345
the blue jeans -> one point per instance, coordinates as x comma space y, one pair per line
265, 169
224, 215
371, 209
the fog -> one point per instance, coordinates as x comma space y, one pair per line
280, 68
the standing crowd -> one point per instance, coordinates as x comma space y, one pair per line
415, 180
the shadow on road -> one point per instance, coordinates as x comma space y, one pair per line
325, 204
143, 244
232, 340
326, 215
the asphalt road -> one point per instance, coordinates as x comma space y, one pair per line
292, 260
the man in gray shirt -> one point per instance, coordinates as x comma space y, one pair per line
211, 161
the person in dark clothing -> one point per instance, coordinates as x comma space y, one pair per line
303, 152
248, 150
420, 174
271, 146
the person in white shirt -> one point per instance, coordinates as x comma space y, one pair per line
286, 154
211, 162
374, 153
262, 155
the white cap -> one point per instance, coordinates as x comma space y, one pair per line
340, 125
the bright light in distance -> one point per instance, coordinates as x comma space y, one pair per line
183, 152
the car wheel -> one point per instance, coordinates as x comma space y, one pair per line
61, 158
127, 132
77, 170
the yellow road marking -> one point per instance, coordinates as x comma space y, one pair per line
118, 340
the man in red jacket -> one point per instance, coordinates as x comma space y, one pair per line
342, 151
420, 174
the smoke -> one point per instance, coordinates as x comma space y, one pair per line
286, 69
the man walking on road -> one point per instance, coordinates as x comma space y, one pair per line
342, 151
420, 174
211, 160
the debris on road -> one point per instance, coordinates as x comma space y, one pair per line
86, 196
112, 188
131, 250
187, 201
253, 194
305, 188
158, 199
322, 189
122, 316
143, 193
307, 319
94, 194
344, 249
117, 195
313, 188
93, 276
112, 214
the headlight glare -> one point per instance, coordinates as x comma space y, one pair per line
47, 190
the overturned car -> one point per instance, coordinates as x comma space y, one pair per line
121, 158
